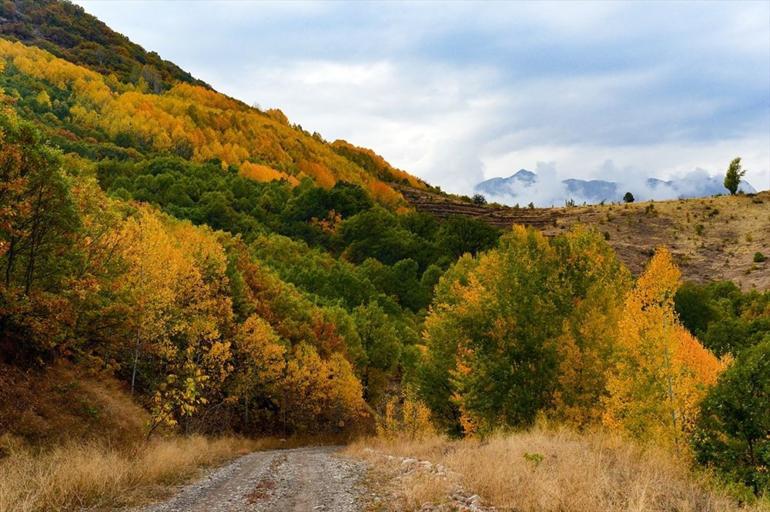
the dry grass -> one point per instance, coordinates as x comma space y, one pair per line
543, 471
76, 476
67, 403
732, 229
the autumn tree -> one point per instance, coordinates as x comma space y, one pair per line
526, 328
490, 334
260, 367
38, 225
661, 372
320, 395
597, 283
176, 291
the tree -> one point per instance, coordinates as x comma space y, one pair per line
490, 334
628, 197
734, 175
479, 199
597, 283
458, 235
39, 223
662, 372
733, 430
381, 344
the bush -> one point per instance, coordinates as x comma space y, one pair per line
759, 257
732, 431
479, 199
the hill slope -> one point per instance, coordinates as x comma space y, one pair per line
732, 229
67, 31
98, 116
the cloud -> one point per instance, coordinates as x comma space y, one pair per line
457, 92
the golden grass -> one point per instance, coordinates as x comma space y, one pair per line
78, 475
544, 471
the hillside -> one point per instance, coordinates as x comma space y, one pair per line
101, 117
711, 238
67, 31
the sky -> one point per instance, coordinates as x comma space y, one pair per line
459, 92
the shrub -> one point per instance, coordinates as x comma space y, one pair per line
479, 199
732, 431
759, 257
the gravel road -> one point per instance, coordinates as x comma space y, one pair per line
301, 479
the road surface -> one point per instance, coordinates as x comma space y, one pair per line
302, 479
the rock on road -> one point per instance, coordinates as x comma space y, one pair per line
301, 479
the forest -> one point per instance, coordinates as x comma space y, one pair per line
230, 272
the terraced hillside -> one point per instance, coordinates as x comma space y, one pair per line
712, 238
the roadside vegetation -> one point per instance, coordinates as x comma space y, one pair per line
75, 476
542, 470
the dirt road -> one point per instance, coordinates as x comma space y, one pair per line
302, 479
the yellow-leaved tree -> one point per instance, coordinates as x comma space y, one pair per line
662, 372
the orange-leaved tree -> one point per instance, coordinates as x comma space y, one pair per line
662, 372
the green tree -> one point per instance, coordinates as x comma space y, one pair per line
491, 333
734, 175
382, 346
733, 430
628, 197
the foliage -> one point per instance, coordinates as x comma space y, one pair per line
407, 416
628, 197
723, 317
662, 372
733, 429
38, 222
188, 120
733, 175
492, 356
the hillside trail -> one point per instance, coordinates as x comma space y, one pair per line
301, 479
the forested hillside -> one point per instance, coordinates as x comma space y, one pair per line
67, 31
112, 192
173, 261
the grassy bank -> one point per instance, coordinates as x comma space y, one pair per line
545, 471
79, 475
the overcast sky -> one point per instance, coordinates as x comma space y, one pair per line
459, 92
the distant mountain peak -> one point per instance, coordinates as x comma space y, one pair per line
523, 174
524, 186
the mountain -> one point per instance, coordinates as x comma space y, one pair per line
525, 186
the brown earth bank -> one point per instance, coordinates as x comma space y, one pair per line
712, 238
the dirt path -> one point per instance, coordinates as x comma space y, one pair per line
302, 479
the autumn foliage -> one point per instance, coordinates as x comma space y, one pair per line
662, 372
194, 122
539, 327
